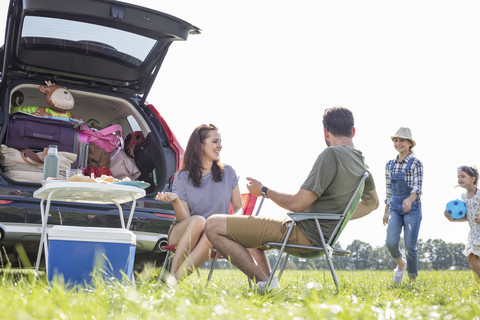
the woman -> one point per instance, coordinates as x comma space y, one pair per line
404, 177
202, 187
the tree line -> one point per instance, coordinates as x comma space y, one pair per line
433, 254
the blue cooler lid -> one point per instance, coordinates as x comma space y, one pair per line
109, 235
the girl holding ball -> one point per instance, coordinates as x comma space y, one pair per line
468, 179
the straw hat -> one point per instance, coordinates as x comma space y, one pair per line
404, 133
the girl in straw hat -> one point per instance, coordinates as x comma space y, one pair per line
404, 177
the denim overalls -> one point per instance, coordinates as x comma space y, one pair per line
410, 221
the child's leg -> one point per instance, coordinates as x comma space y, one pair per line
474, 262
411, 227
394, 229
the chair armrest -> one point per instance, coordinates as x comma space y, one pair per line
299, 216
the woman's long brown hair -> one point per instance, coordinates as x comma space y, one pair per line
192, 160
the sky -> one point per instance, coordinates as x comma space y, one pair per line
264, 72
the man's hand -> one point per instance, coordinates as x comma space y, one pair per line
254, 187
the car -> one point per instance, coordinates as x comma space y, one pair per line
107, 53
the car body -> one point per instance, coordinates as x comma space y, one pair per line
107, 53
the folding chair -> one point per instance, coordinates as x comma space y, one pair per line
248, 204
327, 247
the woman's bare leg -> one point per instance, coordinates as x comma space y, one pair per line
198, 255
185, 235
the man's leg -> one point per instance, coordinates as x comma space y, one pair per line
216, 231
261, 259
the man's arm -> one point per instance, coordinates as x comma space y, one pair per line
367, 204
298, 202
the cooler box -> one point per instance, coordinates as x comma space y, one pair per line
74, 253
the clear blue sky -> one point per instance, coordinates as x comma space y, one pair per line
264, 71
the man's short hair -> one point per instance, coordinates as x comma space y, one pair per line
338, 121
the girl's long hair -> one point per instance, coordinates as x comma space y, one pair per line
192, 159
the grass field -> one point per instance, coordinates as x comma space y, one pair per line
303, 295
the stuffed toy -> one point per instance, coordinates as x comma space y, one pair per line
17, 98
58, 97
59, 101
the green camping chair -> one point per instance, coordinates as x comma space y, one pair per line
327, 247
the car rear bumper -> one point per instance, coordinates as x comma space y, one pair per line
29, 233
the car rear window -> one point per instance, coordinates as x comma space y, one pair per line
85, 38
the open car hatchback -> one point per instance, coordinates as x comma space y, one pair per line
107, 53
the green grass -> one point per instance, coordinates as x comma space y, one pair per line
304, 295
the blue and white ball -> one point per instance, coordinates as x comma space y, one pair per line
456, 209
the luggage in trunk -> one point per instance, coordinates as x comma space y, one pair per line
145, 153
31, 132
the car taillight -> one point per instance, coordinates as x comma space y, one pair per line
162, 215
174, 143
5, 202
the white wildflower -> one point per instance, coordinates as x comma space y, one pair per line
219, 309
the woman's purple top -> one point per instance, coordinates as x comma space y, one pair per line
211, 197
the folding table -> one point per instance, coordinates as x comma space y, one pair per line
84, 192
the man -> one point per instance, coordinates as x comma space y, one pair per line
328, 189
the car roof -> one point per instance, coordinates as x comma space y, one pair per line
109, 45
